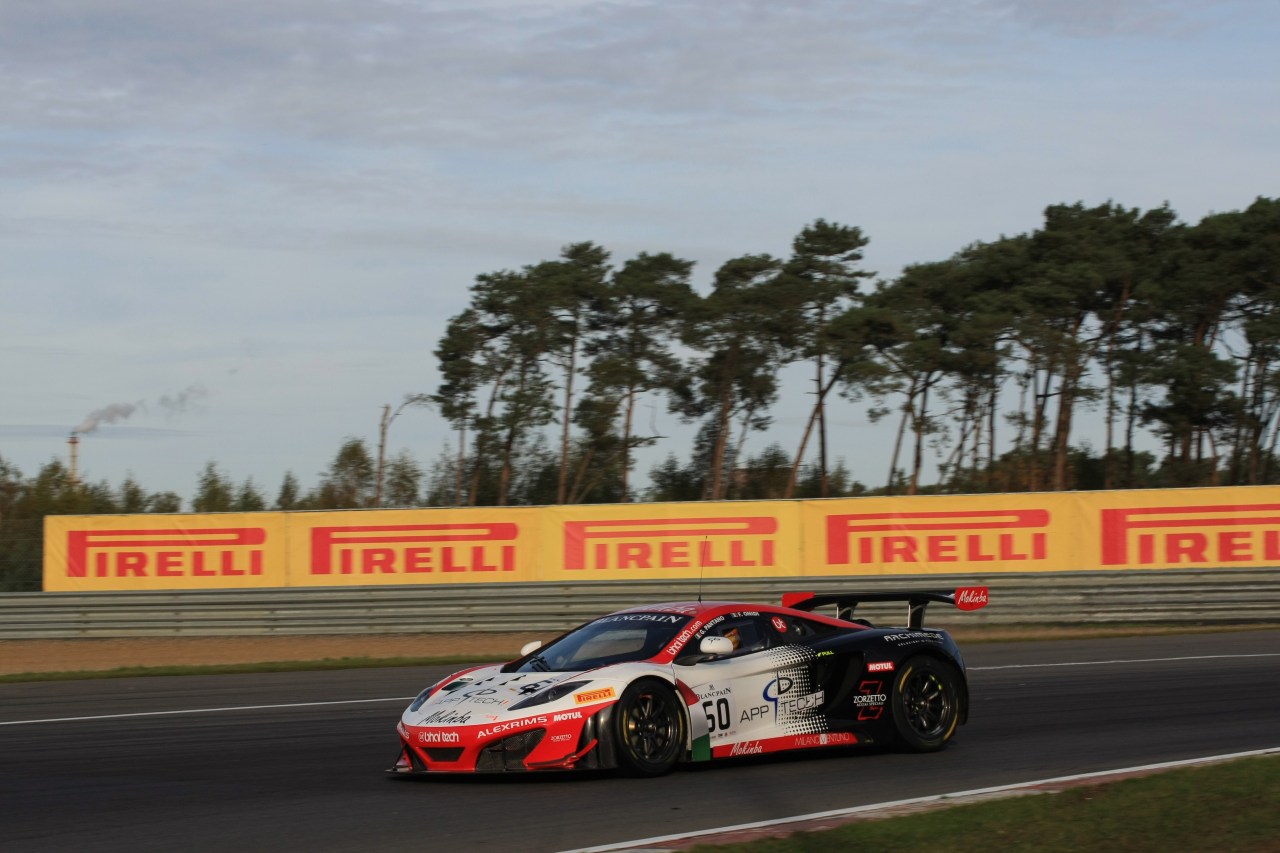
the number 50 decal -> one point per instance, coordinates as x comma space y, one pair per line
719, 717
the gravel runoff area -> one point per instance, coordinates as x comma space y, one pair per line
22, 656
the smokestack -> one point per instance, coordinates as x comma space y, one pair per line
74, 443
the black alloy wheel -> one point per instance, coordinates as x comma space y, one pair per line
926, 704
649, 727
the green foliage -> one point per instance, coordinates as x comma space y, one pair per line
1225, 807
349, 483
25, 502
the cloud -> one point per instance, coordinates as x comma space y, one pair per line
324, 180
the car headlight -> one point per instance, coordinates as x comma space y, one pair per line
551, 694
426, 694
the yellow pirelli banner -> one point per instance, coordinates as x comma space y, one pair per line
952, 534
414, 546
942, 535
140, 552
685, 540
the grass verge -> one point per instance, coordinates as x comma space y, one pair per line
233, 668
1233, 806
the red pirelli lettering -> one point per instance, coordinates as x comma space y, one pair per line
1176, 535
207, 552
388, 549
683, 543
1007, 535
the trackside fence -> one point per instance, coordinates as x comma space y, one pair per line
1215, 597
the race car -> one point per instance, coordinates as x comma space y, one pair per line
645, 689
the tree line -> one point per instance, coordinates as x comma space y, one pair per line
985, 362
989, 357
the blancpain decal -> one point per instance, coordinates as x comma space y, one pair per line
643, 617
711, 692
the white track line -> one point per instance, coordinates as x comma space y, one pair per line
640, 844
205, 711
1112, 662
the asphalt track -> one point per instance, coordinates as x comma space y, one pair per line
294, 761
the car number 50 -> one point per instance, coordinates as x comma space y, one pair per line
718, 716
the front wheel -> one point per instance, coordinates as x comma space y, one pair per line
649, 729
926, 704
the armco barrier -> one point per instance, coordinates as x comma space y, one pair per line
1205, 597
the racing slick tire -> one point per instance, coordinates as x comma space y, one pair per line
926, 704
648, 729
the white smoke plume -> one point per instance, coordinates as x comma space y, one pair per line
172, 404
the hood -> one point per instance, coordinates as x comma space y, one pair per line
487, 695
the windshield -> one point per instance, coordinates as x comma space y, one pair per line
612, 639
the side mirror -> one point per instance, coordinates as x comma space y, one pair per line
716, 646
529, 647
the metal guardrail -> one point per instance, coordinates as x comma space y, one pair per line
1202, 597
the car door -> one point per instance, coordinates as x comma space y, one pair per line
756, 696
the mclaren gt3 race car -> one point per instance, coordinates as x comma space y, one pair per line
644, 689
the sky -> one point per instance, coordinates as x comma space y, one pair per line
234, 231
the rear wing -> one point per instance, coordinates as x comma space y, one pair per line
964, 598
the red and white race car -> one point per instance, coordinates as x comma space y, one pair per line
642, 690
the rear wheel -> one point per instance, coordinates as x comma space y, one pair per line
926, 704
649, 729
